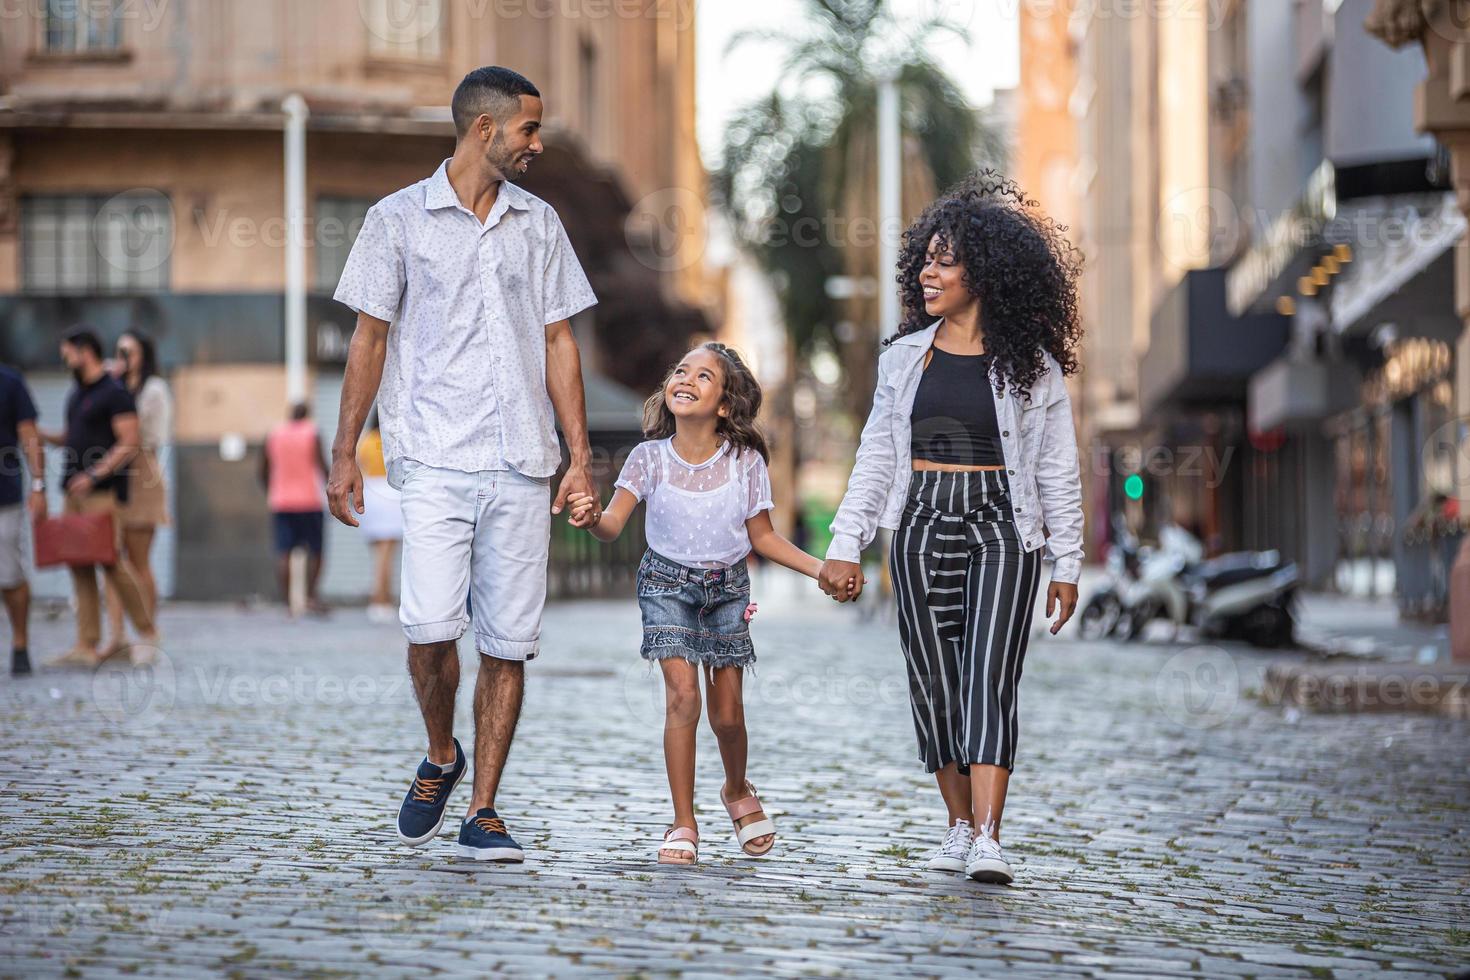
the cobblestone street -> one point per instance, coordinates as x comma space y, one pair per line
230, 811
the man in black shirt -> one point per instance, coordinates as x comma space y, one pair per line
19, 498
100, 440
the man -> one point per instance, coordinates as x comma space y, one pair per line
293, 471
18, 437
464, 285
100, 440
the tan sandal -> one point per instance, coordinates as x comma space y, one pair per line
681, 840
758, 828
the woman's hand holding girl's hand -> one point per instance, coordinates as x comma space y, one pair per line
584, 510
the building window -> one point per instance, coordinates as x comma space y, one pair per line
82, 26
96, 243
408, 29
338, 220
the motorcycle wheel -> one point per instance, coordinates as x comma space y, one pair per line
1133, 621
1270, 627
1100, 617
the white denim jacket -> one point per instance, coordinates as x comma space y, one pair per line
1040, 452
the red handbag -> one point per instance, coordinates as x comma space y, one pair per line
76, 539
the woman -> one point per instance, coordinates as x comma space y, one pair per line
382, 521
971, 457
135, 364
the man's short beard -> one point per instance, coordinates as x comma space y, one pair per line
502, 161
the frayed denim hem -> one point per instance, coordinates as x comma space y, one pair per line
662, 643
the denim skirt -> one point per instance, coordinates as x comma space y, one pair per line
695, 613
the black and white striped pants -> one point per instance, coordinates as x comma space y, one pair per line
966, 589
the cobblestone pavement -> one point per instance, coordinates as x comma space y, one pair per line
229, 811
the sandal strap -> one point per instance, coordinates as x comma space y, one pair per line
744, 808
751, 831
676, 834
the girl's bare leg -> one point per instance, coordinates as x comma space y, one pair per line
681, 720
727, 719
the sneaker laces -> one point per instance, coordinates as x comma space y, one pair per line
987, 846
426, 789
491, 825
958, 838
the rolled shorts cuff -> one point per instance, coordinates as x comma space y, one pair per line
442, 632
503, 649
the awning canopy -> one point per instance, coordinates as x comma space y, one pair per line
1198, 354
1403, 266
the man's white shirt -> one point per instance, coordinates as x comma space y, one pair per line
464, 381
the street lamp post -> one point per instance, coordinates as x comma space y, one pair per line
295, 139
890, 199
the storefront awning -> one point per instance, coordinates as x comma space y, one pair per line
1198, 353
1402, 270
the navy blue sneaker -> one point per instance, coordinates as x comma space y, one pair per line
422, 813
483, 837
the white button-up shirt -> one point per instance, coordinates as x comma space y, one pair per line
464, 382
1037, 438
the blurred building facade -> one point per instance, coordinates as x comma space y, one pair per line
142, 185
1269, 290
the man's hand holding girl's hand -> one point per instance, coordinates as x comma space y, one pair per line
584, 510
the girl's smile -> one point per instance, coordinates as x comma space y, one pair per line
696, 388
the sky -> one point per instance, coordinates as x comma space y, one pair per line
991, 60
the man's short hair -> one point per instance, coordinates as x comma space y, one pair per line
492, 90
85, 338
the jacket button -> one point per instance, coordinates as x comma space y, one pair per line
1011, 472
1006, 433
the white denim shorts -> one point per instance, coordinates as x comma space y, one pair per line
473, 541
12, 546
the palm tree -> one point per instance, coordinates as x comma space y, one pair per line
799, 170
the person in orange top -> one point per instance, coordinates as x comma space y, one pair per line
293, 469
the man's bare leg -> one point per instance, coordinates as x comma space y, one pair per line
18, 608
434, 668
498, 693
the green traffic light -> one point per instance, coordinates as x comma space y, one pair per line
1133, 487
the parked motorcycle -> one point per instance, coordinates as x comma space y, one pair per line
1104, 608
1247, 596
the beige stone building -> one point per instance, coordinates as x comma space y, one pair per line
142, 184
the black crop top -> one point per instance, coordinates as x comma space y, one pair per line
953, 418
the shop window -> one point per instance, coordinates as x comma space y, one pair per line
338, 220
96, 243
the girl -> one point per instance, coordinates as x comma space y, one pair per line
968, 454
703, 474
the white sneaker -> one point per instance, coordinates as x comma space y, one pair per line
987, 861
951, 854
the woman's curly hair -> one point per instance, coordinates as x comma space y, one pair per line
1016, 261
742, 394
